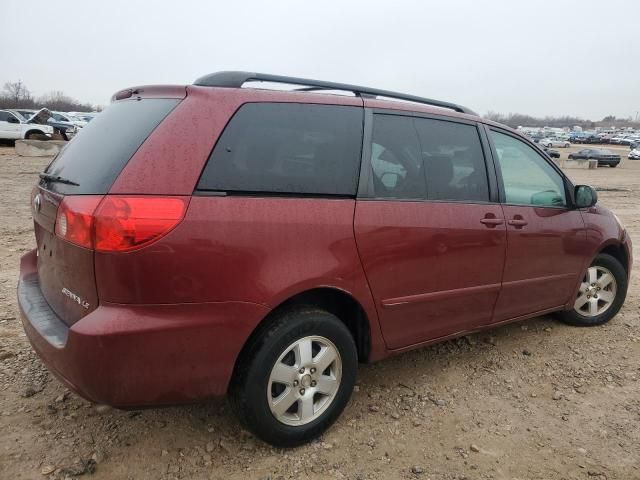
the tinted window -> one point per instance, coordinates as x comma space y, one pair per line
4, 116
417, 158
395, 158
455, 167
287, 148
99, 152
528, 178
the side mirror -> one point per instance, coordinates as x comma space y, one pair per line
585, 196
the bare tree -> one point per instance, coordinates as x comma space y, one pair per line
57, 100
518, 119
17, 93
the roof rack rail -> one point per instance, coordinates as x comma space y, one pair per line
231, 79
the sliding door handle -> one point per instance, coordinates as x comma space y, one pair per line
492, 222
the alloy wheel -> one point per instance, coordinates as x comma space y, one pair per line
597, 292
304, 380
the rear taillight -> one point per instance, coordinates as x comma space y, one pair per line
115, 223
127, 223
74, 220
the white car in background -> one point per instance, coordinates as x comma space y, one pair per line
634, 154
554, 142
67, 117
84, 116
14, 126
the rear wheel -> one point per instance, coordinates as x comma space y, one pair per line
295, 377
601, 294
613, 165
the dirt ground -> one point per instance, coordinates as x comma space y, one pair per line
534, 400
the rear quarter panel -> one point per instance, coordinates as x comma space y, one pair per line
259, 250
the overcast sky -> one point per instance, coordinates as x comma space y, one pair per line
577, 57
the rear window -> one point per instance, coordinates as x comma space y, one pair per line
287, 148
97, 155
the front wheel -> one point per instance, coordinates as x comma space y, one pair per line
295, 377
33, 135
613, 165
601, 294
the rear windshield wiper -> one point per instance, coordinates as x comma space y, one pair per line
58, 179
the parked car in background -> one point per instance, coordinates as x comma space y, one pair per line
68, 118
591, 138
554, 142
14, 126
603, 156
552, 153
152, 284
623, 139
84, 116
634, 154
66, 130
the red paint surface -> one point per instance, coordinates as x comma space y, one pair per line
410, 249
168, 321
544, 260
135, 355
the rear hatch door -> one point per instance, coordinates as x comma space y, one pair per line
65, 270
89, 165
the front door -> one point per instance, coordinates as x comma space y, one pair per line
545, 238
431, 242
10, 127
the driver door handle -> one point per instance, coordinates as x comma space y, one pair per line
491, 222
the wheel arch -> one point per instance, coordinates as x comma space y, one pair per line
334, 300
612, 246
617, 251
33, 130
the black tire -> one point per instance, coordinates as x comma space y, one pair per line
613, 165
250, 382
572, 317
33, 135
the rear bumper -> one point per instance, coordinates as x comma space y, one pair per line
138, 355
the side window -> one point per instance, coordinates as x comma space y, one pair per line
528, 178
287, 148
395, 158
454, 162
4, 116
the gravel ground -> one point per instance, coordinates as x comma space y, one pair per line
536, 400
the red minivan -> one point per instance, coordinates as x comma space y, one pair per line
211, 239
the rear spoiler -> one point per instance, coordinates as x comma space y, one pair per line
150, 91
